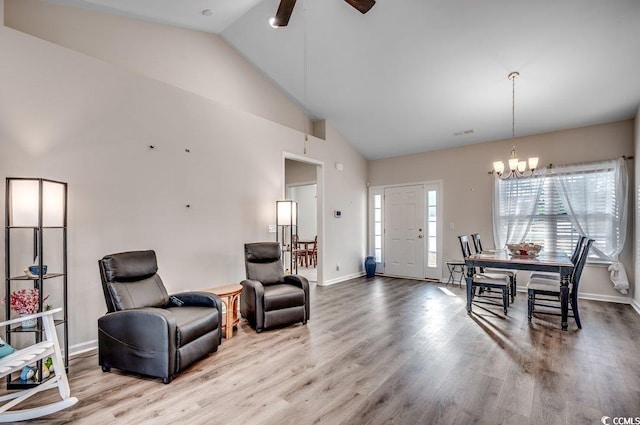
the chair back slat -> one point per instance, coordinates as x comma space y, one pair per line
477, 242
582, 260
578, 249
464, 245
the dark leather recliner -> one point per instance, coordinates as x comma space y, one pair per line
270, 298
147, 331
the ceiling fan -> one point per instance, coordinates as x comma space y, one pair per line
286, 8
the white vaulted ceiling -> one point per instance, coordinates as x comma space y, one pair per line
410, 74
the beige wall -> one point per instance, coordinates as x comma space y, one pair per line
199, 62
71, 117
299, 172
467, 186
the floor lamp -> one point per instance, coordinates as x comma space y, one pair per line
287, 234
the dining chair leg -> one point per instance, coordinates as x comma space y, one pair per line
531, 303
505, 299
514, 281
574, 307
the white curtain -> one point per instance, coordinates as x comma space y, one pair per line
514, 206
595, 196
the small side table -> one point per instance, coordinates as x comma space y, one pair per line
230, 296
455, 266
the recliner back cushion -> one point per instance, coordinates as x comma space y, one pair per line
262, 252
265, 272
130, 266
262, 262
148, 292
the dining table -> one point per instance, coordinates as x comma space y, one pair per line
558, 262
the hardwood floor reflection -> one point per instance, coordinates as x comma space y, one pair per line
389, 351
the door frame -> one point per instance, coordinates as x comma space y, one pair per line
379, 189
320, 204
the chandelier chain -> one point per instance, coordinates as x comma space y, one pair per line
513, 108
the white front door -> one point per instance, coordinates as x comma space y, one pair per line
405, 231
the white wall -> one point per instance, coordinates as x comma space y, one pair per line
467, 186
70, 117
198, 62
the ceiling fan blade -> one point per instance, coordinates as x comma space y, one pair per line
285, 9
362, 5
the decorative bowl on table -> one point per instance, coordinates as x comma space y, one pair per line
527, 249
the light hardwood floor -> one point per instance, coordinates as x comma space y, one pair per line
380, 351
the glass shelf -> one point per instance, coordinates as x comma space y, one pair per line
36, 328
36, 227
46, 276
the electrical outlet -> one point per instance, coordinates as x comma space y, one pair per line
272, 228
452, 225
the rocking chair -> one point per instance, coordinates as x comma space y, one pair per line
14, 362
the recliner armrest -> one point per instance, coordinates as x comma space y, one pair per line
252, 301
203, 299
199, 299
301, 282
147, 329
297, 280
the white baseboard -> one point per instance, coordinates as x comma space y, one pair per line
635, 305
83, 347
605, 298
342, 279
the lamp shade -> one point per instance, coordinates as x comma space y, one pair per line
286, 213
25, 196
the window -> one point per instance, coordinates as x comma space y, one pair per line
377, 227
555, 207
432, 225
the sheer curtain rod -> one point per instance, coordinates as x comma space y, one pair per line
550, 166
591, 162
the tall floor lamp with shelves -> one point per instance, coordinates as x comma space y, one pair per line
287, 232
35, 214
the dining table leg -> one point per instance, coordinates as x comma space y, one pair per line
469, 281
564, 300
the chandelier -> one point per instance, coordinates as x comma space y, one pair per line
517, 168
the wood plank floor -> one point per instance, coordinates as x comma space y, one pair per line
381, 351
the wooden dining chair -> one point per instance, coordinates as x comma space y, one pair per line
549, 289
313, 252
574, 259
297, 253
486, 280
512, 274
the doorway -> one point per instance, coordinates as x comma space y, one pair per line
302, 183
406, 228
